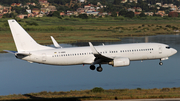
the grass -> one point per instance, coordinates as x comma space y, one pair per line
99, 94
69, 30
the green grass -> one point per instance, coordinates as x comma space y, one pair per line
99, 94
69, 30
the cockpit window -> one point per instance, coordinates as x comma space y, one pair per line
168, 47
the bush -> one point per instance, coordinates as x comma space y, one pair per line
168, 26
165, 89
97, 90
31, 23
139, 89
83, 16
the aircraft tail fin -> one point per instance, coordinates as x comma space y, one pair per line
23, 41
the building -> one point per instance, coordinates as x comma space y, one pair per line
22, 16
62, 14
36, 11
161, 13
123, 1
5, 11
131, 9
44, 3
92, 13
82, 1
159, 4
16, 4
149, 13
52, 8
133, 1
28, 10
45, 10
33, 4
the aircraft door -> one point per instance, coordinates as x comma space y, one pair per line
160, 49
43, 57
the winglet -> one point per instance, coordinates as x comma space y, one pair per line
93, 48
55, 43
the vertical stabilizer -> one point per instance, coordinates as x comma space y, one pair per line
23, 41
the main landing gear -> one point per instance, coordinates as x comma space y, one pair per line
99, 69
92, 67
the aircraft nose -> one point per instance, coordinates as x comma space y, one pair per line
173, 51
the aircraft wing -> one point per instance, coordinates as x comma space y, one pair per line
99, 57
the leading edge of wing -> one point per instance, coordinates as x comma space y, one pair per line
98, 55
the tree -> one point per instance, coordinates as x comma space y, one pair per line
142, 14
103, 2
75, 7
19, 10
114, 14
129, 14
56, 14
117, 2
83, 16
123, 12
62, 8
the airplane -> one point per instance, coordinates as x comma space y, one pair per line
116, 55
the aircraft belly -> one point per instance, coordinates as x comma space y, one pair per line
67, 60
142, 56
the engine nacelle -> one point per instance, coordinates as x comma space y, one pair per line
117, 62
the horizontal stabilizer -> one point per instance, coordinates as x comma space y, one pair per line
12, 52
26, 54
16, 53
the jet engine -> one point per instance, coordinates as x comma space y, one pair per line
118, 62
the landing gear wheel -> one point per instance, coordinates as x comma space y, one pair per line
99, 69
92, 67
160, 63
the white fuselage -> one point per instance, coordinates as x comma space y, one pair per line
84, 55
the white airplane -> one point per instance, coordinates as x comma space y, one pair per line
116, 55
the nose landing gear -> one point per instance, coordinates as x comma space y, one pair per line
160, 63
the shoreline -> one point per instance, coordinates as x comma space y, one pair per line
98, 93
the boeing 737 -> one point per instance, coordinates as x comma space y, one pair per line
116, 55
